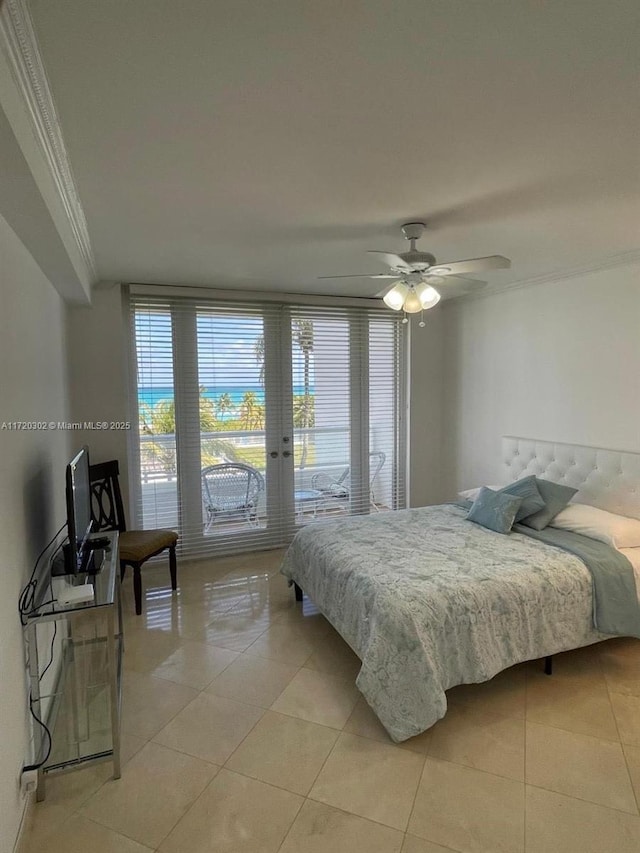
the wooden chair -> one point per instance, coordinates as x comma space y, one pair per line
136, 546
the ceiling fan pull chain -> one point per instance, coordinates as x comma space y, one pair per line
422, 324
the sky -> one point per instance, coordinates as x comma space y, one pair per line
226, 350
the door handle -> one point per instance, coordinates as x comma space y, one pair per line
286, 453
274, 454
285, 438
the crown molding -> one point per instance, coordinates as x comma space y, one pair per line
19, 42
622, 259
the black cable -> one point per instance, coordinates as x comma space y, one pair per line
26, 601
53, 639
49, 738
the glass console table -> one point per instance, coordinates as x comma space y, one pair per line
75, 671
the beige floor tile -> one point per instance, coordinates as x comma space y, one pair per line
284, 751
65, 793
413, 844
627, 713
504, 694
333, 655
564, 824
210, 727
322, 829
253, 680
289, 642
195, 664
632, 756
236, 630
481, 740
363, 722
79, 835
577, 705
145, 650
370, 779
129, 745
578, 663
235, 815
157, 787
621, 646
622, 673
318, 697
186, 621
469, 810
149, 703
580, 766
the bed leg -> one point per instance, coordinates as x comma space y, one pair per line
548, 665
298, 591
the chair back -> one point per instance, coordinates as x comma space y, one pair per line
107, 510
231, 486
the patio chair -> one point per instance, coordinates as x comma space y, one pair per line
230, 490
135, 546
337, 490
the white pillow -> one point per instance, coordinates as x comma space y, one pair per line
619, 531
472, 494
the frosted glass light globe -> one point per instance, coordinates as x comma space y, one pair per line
427, 296
395, 298
412, 303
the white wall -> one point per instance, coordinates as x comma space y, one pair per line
98, 342
425, 413
32, 465
556, 361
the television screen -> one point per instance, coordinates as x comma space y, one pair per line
78, 508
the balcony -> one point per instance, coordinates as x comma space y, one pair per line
327, 452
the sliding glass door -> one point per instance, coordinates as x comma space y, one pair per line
256, 419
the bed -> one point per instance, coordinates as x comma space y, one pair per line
429, 600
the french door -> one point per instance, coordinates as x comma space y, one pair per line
258, 418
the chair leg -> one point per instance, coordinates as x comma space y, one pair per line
173, 569
137, 589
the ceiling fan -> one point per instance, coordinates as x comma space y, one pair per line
416, 272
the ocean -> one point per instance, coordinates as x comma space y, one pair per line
153, 395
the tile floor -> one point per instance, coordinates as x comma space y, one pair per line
243, 732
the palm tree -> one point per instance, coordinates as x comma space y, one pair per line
304, 415
302, 332
224, 404
251, 411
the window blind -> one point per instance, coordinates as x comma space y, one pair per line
257, 418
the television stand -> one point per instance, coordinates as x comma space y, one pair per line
80, 697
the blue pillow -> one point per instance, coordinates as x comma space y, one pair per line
495, 510
555, 497
527, 489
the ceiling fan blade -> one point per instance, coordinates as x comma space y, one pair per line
394, 261
460, 287
361, 275
382, 292
492, 262
462, 280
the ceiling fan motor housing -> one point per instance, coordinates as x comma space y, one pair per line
418, 260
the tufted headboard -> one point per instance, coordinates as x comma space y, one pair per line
608, 479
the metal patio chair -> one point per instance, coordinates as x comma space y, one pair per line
230, 491
337, 489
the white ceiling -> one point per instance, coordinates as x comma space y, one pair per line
263, 143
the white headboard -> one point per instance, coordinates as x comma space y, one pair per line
608, 479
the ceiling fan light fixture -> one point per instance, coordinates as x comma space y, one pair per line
412, 303
395, 298
427, 296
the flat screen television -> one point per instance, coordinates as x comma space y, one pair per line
79, 523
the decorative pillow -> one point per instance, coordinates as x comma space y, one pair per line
495, 510
619, 531
555, 497
472, 494
526, 489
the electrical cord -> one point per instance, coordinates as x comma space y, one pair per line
26, 601
26, 607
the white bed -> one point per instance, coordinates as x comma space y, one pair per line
429, 600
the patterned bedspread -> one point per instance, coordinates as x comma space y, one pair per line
428, 600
